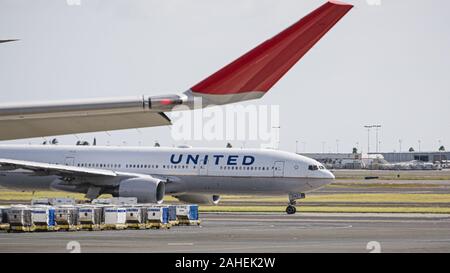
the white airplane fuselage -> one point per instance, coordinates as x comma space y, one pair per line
185, 170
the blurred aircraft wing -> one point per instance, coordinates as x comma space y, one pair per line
72, 117
248, 77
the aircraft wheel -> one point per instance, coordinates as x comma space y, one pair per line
291, 210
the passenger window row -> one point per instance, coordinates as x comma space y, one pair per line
176, 167
128, 166
246, 168
141, 166
99, 165
153, 166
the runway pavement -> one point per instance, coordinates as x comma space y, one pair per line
383, 186
244, 232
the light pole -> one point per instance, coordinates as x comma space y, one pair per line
420, 142
337, 146
376, 130
368, 127
323, 147
296, 146
400, 145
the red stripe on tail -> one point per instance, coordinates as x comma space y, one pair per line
262, 67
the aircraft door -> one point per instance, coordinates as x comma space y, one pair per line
278, 169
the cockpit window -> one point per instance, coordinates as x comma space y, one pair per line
322, 167
313, 167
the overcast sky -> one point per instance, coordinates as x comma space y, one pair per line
386, 64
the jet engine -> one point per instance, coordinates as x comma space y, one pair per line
198, 198
146, 190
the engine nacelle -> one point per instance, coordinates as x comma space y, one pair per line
199, 198
146, 190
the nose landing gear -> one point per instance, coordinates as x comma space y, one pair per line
291, 209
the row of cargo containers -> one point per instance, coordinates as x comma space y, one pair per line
95, 217
71, 201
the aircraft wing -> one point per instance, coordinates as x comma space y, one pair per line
72, 117
91, 181
54, 169
248, 77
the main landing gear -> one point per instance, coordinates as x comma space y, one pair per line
291, 209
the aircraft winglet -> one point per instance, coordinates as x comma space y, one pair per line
253, 74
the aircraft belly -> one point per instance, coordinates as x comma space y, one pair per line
25, 181
249, 185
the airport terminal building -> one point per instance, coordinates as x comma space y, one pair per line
362, 161
339, 160
430, 157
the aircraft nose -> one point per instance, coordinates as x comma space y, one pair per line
328, 175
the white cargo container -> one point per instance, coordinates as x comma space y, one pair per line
43, 217
53, 201
4, 214
67, 217
157, 216
187, 214
182, 211
62, 201
40, 201
90, 217
118, 201
115, 217
4, 218
136, 216
19, 218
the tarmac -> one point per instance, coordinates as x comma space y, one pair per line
277, 232
257, 232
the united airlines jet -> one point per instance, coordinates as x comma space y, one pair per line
190, 174
196, 175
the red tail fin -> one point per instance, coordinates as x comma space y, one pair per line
262, 67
